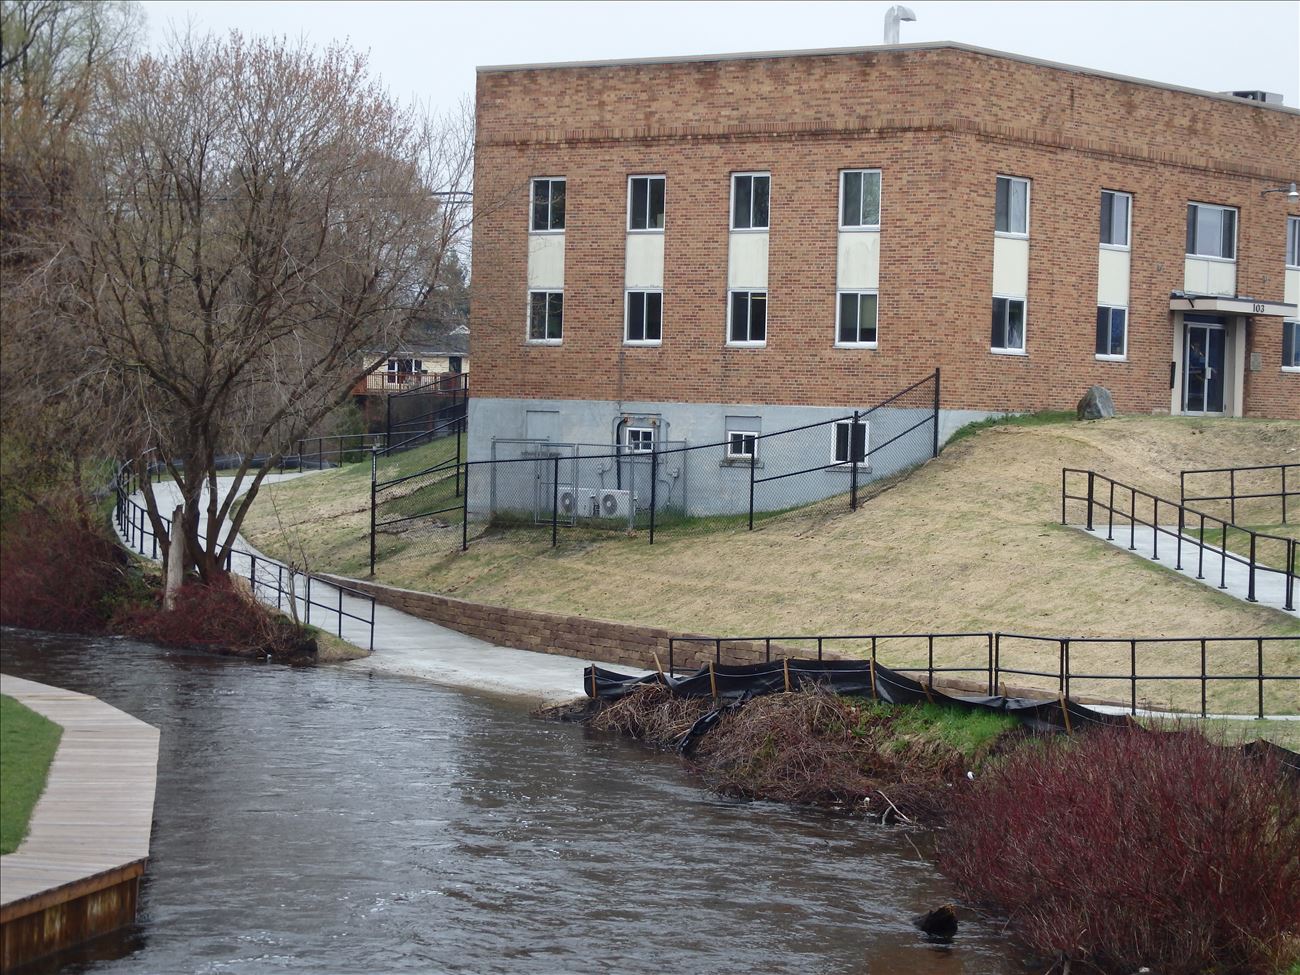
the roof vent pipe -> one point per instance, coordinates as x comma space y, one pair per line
893, 16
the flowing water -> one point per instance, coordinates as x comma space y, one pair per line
320, 820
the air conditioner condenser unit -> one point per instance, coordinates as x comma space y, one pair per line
579, 502
616, 504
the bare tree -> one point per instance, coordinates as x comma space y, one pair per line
256, 214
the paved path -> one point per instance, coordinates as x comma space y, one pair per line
1226, 574
403, 644
96, 812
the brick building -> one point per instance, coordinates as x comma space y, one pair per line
666, 249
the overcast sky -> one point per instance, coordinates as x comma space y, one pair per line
428, 51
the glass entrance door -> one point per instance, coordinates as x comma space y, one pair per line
1203, 357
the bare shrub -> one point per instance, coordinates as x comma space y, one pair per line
1126, 849
653, 715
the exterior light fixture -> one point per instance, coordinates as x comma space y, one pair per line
1291, 192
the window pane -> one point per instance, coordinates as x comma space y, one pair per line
557, 204
848, 318
851, 211
1291, 343
760, 200
656, 216
870, 199
1015, 324
640, 200
1229, 247
1293, 241
654, 302
555, 315
1191, 228
1103, 330
1209, 231
1120, 220
1019, 218
842, 442
757, 317
999, 323
1107, 213
866, 318
541, 204
740, 218
1003, 205
537, 315
739, 316
635, 316
859, 442
1118, 324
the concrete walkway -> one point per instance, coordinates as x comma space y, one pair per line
403, 644
1226, 574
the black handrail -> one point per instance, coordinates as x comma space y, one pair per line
1233, 495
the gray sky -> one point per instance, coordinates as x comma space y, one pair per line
428, 51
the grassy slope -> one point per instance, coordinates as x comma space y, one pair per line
971, 541
27, 745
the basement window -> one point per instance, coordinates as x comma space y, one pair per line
639, 440
851, 442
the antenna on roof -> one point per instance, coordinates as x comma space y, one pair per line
893, 16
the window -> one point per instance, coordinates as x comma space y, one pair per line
1112, 332
1012, 206
1115, 209
748, 324
545, 316
455, 364
1293, 241
1211, 231
749, 199
644, 319
856, 324
1008, 325
548, 205
846, 431
645, 203
741, 444
860, 199
1291, 345
639, 440
401, 370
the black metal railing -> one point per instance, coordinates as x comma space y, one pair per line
339, 449
1243, 484
1182, 527
629, 487
269, 580
995, 656
448, 399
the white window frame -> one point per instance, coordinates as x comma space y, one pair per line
532, 191
1108, 357
742, 454
865, 463
1295, 343
627, 316
747, 343
528, 318
1293, 243
880, 199
646, 230
1236, 232
1024, 348
1128, 226
839, 310
641, 446
731, 205
1029, 198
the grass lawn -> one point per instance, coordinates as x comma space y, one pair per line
27, 745
971, 541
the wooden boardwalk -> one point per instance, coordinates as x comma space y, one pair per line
76, 874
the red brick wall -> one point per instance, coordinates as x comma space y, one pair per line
941, 124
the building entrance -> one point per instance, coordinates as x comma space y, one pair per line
1204, 347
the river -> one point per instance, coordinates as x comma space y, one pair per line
316, 820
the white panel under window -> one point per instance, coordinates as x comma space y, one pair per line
645, 261
1011, 267
546, 262
858, 267
747, 261
1112, 277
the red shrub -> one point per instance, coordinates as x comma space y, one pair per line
58, 571
1127, 848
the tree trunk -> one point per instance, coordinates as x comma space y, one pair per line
175, 560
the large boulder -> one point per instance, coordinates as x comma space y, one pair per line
1096, 404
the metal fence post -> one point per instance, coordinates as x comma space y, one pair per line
853, 463
1232, 494
990, 640
934, 445
753, 455
464, 514
459, 424
1284, 494
1259, 657
1204, 677
654, 487
374, 487
1092, 478
1250, 587
555, 500
1293, 548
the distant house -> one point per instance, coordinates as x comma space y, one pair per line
415, 364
